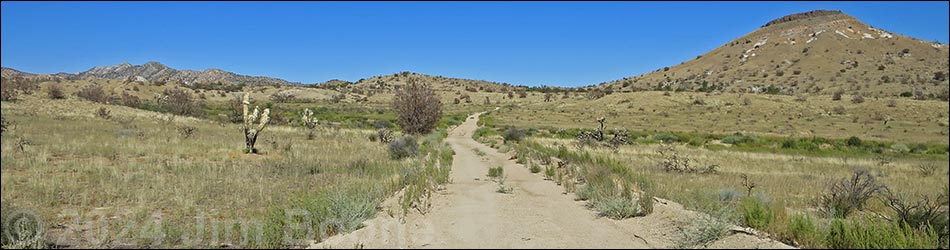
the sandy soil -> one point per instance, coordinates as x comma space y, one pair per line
469, 213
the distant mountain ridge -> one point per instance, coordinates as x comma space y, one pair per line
155, 71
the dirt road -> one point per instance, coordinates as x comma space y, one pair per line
469, 213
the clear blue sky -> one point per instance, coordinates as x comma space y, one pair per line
529, 43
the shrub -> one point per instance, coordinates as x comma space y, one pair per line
103, 113
837, 95
857, 99
11, 88
877, 235
847, 195
56, 92
187, 131
756, 214
616, 207
839, 110
496, 172
805, 231
513, 135
418, 108
3, 124
737, 139
853, 141
666, 138
130, 100
177, 101
789, 144
93, 93
382, 124
922, 213
535, 168
346, 211
403, 148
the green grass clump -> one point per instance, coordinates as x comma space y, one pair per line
756, 213
868, 234
803, 229
496, 172
535, 168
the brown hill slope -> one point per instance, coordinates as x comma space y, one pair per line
818, 52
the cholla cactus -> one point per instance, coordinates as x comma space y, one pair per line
307, 119
250, 131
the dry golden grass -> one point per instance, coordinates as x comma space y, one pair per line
788, 179
80, 165
772, 115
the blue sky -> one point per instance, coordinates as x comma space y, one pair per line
528, 43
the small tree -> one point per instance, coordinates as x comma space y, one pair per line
418, 108
177, 101
250, 131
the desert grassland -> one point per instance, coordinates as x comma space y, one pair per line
789, 180
909, 121
137, 167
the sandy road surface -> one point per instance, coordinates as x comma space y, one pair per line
469, 213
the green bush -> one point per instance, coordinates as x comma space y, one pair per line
900, 148
615, 207
756, 213
805, 231
535, 168
789, 144
853, 141
496, 172
868, 234
737, 139
697, 141
666, 137
403, 147
513, 135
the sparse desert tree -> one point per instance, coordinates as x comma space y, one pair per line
418, 108
130, 100
250, 131
93, 93
10, 88
848, 195
177, 101
56, 92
